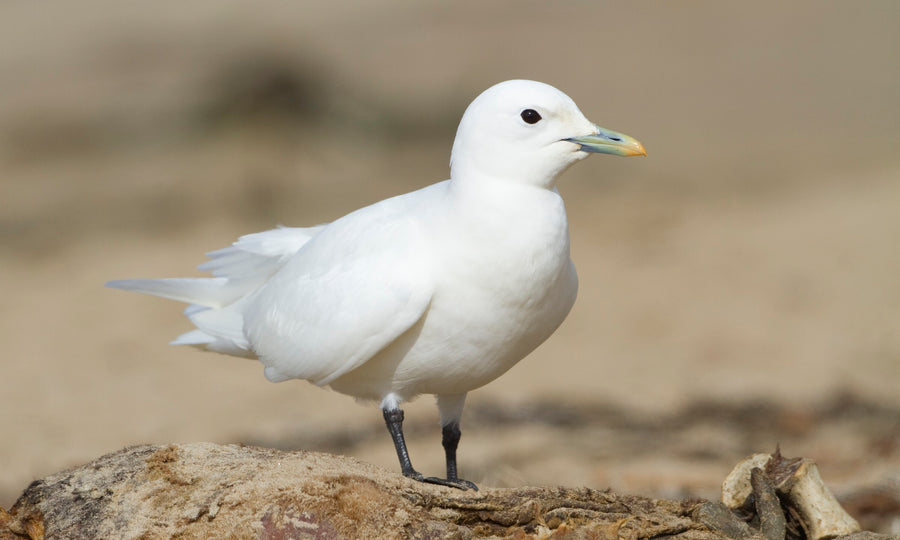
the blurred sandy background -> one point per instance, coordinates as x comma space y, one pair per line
739, 287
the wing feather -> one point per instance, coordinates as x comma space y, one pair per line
354, 289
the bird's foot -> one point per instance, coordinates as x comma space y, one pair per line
457, 483
413, 474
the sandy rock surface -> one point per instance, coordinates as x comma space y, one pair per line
205, 490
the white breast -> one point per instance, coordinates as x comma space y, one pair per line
505, 282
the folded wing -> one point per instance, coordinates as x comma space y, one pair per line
350, 293
313, 303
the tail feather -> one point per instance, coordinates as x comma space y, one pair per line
219, 330
209, 292
194, 337
216, 303
234, 263
227, 323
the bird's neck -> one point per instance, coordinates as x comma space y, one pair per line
488, 191
473, 179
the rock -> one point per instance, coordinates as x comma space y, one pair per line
213, 491
205, 490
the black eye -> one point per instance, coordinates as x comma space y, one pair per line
531, 116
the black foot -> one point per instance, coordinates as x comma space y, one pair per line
459, 483
413, 474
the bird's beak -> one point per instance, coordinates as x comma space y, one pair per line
606, 141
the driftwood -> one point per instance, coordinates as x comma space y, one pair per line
213, 491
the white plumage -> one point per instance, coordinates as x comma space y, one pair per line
438, 291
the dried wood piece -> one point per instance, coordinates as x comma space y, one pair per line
798, 487
821, 514
772, 523
736, 488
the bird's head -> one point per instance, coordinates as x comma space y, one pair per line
529, 132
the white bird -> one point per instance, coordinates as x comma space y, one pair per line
438, 291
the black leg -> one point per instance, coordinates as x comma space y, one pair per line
394, 420
450, 440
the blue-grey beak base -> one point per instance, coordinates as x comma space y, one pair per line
606, 141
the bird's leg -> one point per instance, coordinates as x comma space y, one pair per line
450, 434
451, 410
394, 420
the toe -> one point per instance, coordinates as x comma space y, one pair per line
457, 483
414, 475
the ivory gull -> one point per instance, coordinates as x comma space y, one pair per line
438, 291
